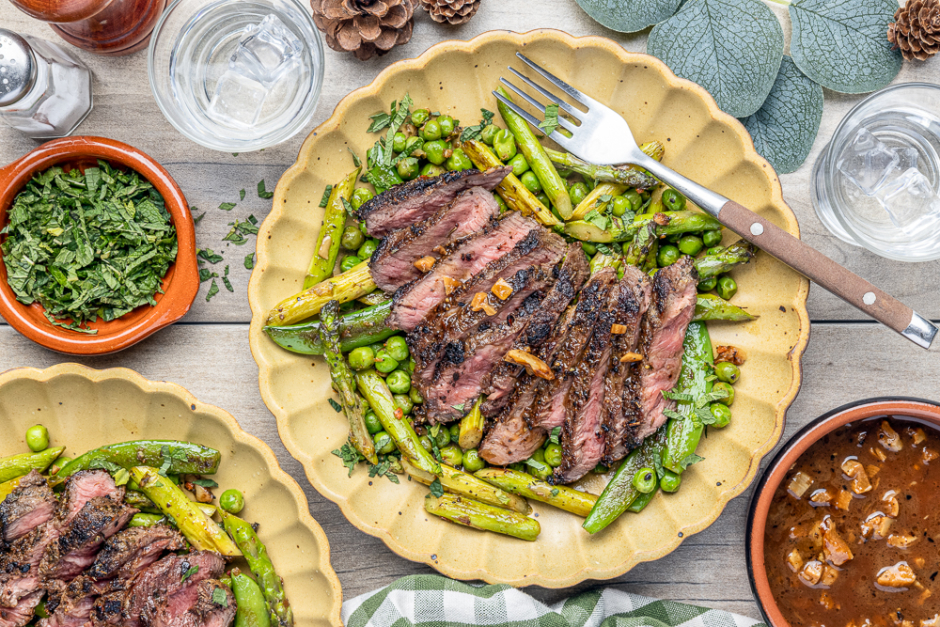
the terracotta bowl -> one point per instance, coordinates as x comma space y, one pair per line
776, 472
180, 285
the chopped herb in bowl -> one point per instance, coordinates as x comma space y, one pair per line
88, 245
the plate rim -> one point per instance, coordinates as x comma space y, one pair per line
256, 334
94, 375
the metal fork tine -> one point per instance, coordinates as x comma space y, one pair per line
561, 103
535, 103
557, 137
560, 84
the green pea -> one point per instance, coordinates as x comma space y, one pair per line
691, 245
553, 455
442, 438
728, 400
384, 444
667, 255
503, 207
727, 372
452, 455
399, 382
577, 192
721, 414
600, 469
349, 263
434, 150
37, 438
420, 116
538, 455
708, 284
447, 124
454, 431
385, 362
673, 200
645, 480
431, 170
670, 481
727, 287
711, 238
367, 249
430, 131
360, 196
403, 402
538, 469
519, 164
412, 142
426, 443
415, 396
636, 201
397, 347
399, 141
352, 238
472, 461
373, 424
459, 161
504, 145
531, 182
489, 133
543, 198
361, 358
411, 365
408, 168
589, 249
232, 501
620, 205
364, 228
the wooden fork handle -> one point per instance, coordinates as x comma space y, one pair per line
845, 284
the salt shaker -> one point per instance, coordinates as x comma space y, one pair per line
44, 92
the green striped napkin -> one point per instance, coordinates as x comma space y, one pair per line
435, 601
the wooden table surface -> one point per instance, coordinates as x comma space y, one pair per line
849, 357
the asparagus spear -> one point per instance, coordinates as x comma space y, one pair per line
334, 221
470, 513
627, 175
526, 485
593, 200
713, 307
683, 436
667, 223
533, 152
19, 465
345, 382
185, 458
716, 263
471, 427
373, 387
464, 484
601, 260
359, 328
642, 247
350, 285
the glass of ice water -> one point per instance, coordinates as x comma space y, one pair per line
236, 75
877, 183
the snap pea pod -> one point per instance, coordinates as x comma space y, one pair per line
373, 387
629, 176
620, 492
712, 307
139, 501
144, 519
593, 200
19, 465
683, 436
185, 458
470, 513
359, 328
526, 485
256, 554
471, 427
350, 285
249, 599
641, 501
517, 196
328, 240
535, 155
192, 522
345, 382
721, 261
464, 484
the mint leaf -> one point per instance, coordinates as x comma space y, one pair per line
209, 255
241, 194
554, 435
550, 123
349, 455
213, 290
336, 406
598, 220
219, 597
205, 274
472, 132
436, 488
189, 573
262, 192
325, 199
380, 121
690, 459
199, 218
629, 16
250, 261
356, 160
227, 206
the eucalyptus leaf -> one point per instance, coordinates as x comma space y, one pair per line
843, 44
732, 48
785, 128
629, 16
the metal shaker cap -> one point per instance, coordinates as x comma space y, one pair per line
17, 67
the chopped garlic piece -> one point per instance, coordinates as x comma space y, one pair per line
929, 455
877, 452
425, 263
820, 497
532, 364
901, 575
449, 284
811, 572
478, 300
876, 526
631, 358
795, 560
324, 251
834, 546
919, 436
892, 506
889, 438
799, 484
618, 329
829, 576
843, 500
899, 541
855, 471
501, 289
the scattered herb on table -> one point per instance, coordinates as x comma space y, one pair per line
213, 290
198, 218
226, 281
227, 206
241, 193
250, 261
262, 192
209, 255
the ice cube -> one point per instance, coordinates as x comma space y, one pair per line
267, 51
237, 100
867, 162
911, 203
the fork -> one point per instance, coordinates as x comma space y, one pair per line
603, 137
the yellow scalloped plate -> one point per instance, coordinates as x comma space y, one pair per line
703, 143
84, 409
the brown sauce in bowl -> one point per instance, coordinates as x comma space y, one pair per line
853, 532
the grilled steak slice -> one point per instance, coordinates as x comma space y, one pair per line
441, 326
19, 565
664, 327
82, 487
80, 539
568, 280
107, 610
134, 549
417, 200
393, 263
592, 301
30, 505
620, 402
22, 613
582, 436
162, 581
411, 303
71, 606
199, 605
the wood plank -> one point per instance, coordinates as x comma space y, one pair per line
845, 362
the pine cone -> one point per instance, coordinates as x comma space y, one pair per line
916, 29
451, 11
364, 27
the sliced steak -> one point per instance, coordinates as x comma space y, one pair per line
30, 505
393, 263
621, 383
411, 303
132, 550
664, 327
82, 487
71, 606
165, 579
550, 404
19, 564
582, 436
22, 613
107, 610
442, 325
206, 604
417, 200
